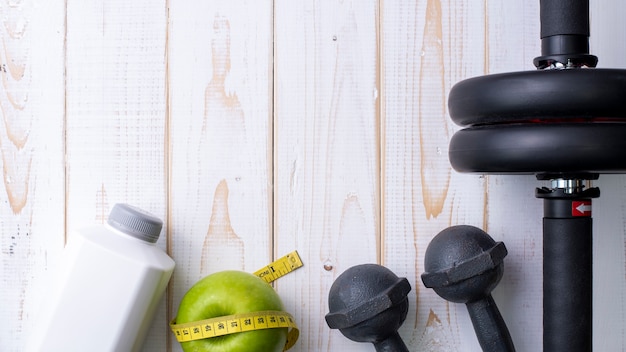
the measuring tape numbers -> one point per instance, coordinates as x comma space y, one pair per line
280, 267
231, 324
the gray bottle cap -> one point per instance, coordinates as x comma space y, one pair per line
135, 222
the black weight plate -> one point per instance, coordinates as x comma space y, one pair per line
553, 95
540, 148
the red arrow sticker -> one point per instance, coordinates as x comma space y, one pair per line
581, 208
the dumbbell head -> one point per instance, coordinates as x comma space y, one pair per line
463, 264
368, 303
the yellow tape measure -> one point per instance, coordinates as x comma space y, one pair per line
280, 267
230, 324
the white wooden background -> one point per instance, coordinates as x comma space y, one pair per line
257, 127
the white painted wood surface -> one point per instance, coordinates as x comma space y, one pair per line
254, 128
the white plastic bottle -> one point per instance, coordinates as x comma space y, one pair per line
106, 288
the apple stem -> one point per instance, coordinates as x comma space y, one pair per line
393, 343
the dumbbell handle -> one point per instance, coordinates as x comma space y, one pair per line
567, 284
392, 343
565, 34
564, 17
489, 326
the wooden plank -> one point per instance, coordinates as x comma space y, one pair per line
31, 159
220, 135
513, 213
466, 44
515, 218
427, 47
609, 231
116, 116
608, 42
326, 174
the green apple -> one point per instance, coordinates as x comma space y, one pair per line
227, 293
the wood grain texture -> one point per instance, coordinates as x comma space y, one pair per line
255, 128
116, 116
608, 35
424, 55
31, 159
220, 104
513, 214
326, 146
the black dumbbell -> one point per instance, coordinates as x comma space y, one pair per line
463, 264
368, 303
